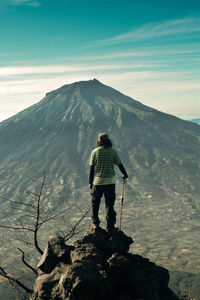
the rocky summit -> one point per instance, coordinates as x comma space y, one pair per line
97, 267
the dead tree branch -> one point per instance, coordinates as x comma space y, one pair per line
26, 264
38, 217
54, 216
75, 229
16, 228
30, 219
26, 204
12, 279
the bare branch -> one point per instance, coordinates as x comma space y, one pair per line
79, 208
32, 194
38, 217
17, 290
30, 219
26, 204
13, 279
33, 197
75, 227
54, 216
16, 228
26, 264
42, 186
20, 223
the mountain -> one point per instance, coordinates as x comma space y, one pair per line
57, 134
160, 152
195, 121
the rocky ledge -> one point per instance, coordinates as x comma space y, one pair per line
97, 267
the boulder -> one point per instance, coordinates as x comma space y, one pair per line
99, 267
55, 251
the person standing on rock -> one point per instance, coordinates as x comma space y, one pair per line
102, 179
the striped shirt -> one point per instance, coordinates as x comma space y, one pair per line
103, 159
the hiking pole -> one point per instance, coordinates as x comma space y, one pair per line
122, 203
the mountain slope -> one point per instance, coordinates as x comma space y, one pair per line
57, 134
160, 152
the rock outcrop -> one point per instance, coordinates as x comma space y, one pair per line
97, 267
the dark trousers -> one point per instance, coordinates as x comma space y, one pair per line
109, 193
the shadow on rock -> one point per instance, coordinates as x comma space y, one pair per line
97, 267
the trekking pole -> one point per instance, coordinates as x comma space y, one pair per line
122, 203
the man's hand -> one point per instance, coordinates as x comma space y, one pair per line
90, 185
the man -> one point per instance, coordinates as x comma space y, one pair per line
102, 179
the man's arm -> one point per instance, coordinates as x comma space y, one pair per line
92, 164
122, 169
91, 177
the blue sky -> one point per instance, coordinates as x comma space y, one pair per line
149, 50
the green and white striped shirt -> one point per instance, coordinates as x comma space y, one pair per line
103, 159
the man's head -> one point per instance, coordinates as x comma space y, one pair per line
103, 140
102, 137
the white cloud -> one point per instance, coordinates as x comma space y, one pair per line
151, 76
149, 57
148, 31
151, 52
172, 92
34, 3
52, 69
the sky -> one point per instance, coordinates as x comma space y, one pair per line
146, 49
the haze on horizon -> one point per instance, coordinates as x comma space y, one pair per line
148, 50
